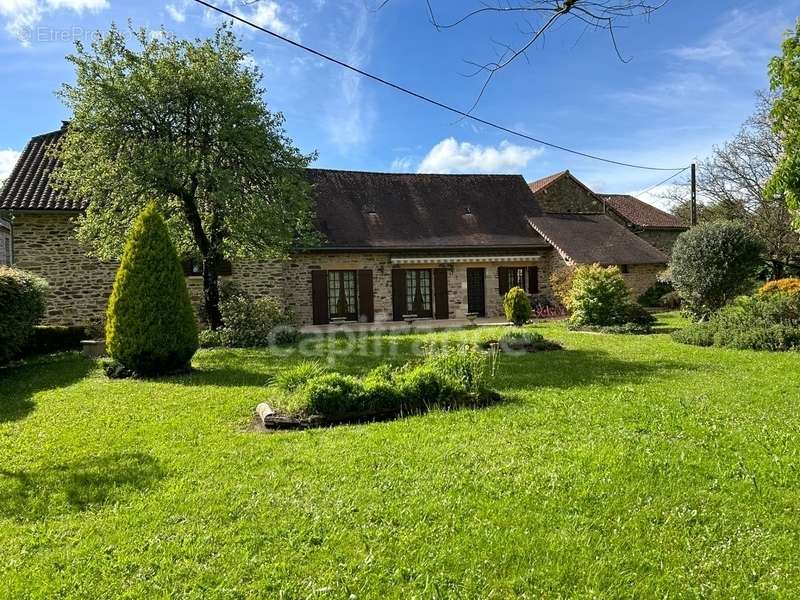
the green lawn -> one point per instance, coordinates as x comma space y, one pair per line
620, 467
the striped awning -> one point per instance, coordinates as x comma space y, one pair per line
428, 260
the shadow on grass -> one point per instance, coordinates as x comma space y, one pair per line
20, 381
76, 486
576, 368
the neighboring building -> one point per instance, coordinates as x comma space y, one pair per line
659, 228
434, 246
5, 243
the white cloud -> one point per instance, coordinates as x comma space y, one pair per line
176, 13
8, 158
351, 116
267, 15
741, 39
22, 16
451, 156
403, 164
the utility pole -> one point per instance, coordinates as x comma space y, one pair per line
694, 195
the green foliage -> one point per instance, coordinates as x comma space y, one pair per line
255, 322
652, 296
561, 284
446, 378
150, 325
712, 264
671, 301
762, 322
47, 339
784, 74
517, 306
23, 298
210, 338
598, 296
295, 376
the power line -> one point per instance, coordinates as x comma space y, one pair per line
668, 179
429, 100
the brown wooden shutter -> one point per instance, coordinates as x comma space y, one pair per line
225, 268
440, 294
502, 277
366, 304
319, 296
398, 294
533, 280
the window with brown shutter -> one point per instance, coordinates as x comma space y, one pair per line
398, 294
366, 301
533, 280
502, 278
440, 294
319, 296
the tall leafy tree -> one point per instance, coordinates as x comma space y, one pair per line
733, 181
784, 71
184, 124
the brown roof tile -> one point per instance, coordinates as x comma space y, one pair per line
596, 239
356, 209
27, 188
642, 214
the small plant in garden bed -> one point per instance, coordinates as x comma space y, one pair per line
308, 395
520, 339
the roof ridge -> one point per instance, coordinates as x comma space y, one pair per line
407, 174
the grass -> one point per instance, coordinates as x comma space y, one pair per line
624, 466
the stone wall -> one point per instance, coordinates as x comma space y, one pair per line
640, 277
567, 196
80, 285
663, 239
45, 244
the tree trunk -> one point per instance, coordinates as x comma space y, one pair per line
211, 290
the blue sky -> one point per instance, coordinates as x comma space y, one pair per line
695, 68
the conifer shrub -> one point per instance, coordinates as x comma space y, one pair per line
23, 301
150, 325
517, 306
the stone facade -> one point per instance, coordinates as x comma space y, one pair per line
80, 285
5, 242
640, 277
663, 239
568, 196
45, 244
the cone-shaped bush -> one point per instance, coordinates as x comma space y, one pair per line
150, 326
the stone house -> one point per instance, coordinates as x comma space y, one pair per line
659, 228
5, 242
395, 245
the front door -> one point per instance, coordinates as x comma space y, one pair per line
476, 291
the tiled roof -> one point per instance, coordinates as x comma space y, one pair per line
642, 214
542, 183
356, 209
27, 187
596, 239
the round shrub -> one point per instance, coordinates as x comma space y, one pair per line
517, 306
332, 394
712, 264
23, 298
599, 296
789, 286
256, 322
150, 325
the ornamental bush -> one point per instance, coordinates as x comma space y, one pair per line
561, 283
789, 285
448, 378
517, 306
150, 325
653, 295
255, 322
762, 322
712, 264
598, 296
23, 298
